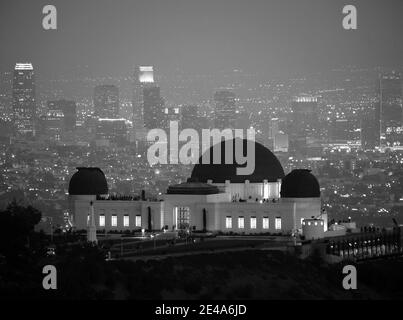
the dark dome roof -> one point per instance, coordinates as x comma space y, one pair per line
267, 167
193, 187
88, 181
300, 183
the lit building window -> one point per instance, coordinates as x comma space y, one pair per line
253, 222
102, 220
114, 221
88, 220
278, 223
184, 218
138, 221
241, 222
125, 220
228, 222
265, 222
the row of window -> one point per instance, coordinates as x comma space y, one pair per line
114, 220
253, 223
316, 223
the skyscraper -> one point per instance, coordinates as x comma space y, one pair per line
171, 114
191, 119
24, 101
153, 105
106, 101
68, 109
389, 111
6, 83
369, 132
224, 109
304, 119
143, 77
111, 131
343, 130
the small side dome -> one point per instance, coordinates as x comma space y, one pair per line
88, 181
300, 183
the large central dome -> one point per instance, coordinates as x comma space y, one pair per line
267, 167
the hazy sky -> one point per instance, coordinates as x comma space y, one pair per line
277, 37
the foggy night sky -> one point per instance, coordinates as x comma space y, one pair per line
276, 37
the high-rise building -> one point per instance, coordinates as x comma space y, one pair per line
106, 101
224, 110
69, 110
192, 119
143, 77
281, 142
171, 114
369, 132
390, 110
24, 100
343, 130
111, 132
153, 105
6, 83
304, 119
53, 123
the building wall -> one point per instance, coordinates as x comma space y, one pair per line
107, 208
218, 207
263, 190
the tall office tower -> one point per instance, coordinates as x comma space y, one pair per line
191, 118
342, 130
273, 127
53, 124
106, 101
153, 105
24, 101
369, 132
6, 83
171, 114
224, 110
389, 111
69, 110
280, 142
143, 77
111, 132
304, 119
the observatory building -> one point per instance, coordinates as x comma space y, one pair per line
214, 198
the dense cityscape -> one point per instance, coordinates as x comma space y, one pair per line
344, 124
196, 155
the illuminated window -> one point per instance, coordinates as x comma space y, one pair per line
88, 220
241, 222
125, 220
114, 220
265, 222
102, 220
138, 221
228, 222
278, 223
253, 222
184, 218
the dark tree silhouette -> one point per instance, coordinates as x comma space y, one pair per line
16, 226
